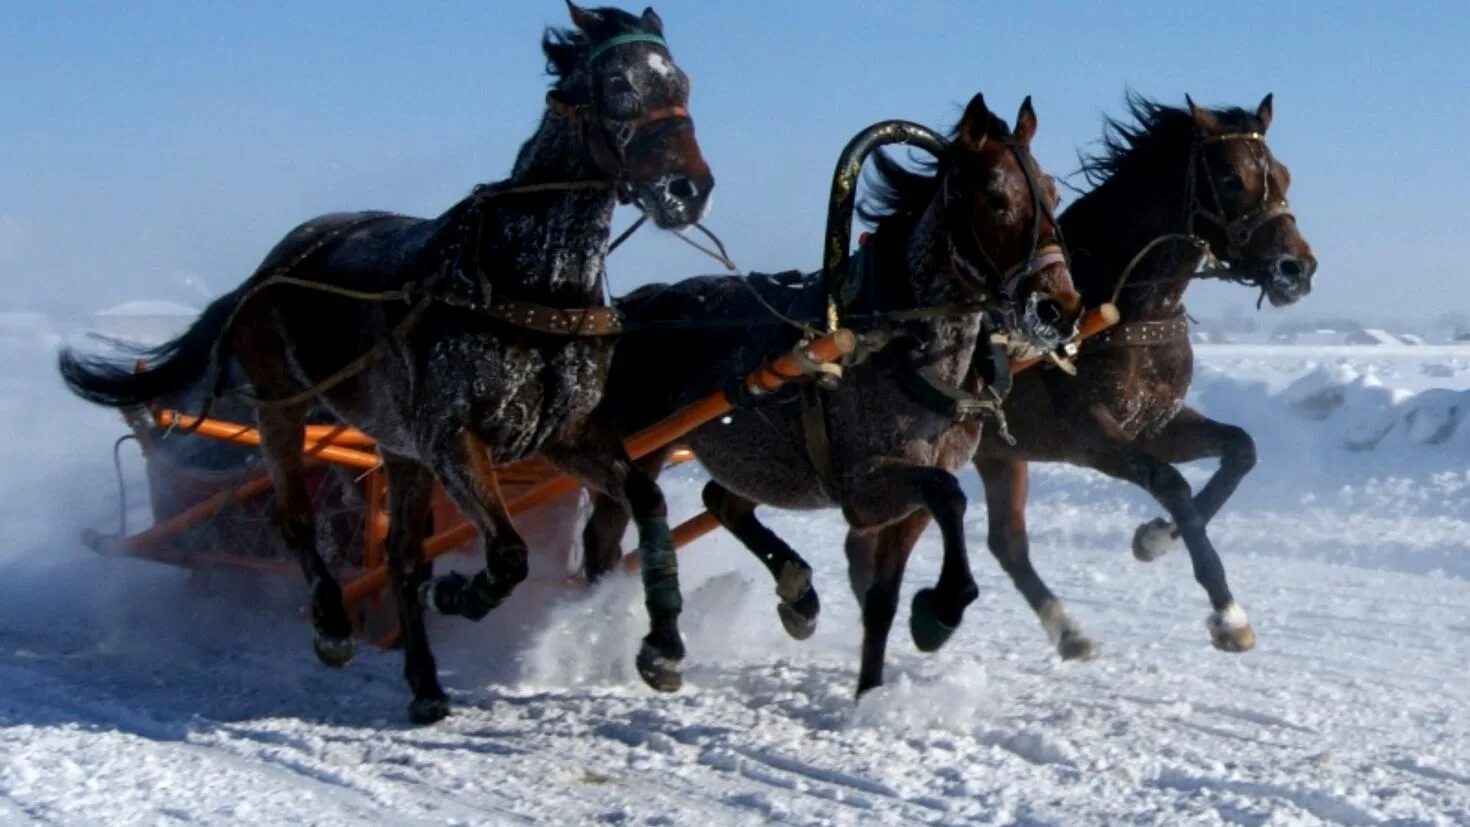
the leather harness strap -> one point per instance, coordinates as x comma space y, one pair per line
557, 321
1151, 333
818, 441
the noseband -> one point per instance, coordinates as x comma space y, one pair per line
1239, 230
615, 135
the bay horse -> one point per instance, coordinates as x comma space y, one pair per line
1174, 189
479, 334
974, 238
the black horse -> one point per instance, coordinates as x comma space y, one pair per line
975, 238
481, 333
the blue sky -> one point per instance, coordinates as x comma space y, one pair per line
157, 150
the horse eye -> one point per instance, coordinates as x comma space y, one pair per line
618, 85
996, 202
1232, 182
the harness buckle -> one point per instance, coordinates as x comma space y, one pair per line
623, 133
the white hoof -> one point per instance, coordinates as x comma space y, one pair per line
1230, 629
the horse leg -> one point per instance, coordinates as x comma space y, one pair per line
462, 465
889, 547
602, 536
282, 431
899, 489
598, 459
799, 605
1230, 629
1006, 489
1190, 436
410, 492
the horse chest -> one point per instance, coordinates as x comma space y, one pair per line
517, 395
1148, 385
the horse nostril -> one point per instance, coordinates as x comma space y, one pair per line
681, 188
1289, 267
1049, 312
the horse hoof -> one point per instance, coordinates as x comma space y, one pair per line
1230, 630
799, 617
928, 631
659, 671
423, 711
796, 624
1076, 647
335, 652
457, 595
438, 593
1234, 640
1153, 540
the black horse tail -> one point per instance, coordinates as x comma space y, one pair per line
167, 368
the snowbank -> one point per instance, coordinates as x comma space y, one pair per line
1369, 414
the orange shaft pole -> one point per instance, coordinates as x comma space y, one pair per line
765, 379
341, 435
242, 435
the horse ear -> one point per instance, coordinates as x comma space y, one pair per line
1025, 124
1203, 118
1263, 112
652, 22
976, 124
584, 19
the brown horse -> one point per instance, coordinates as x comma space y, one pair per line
973, 240
481, 329
1175, 188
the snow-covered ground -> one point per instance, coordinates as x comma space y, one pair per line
127, 696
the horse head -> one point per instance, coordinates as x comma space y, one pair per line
618, 85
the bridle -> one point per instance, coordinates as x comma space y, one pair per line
607, 139
1039, 255
1239, 230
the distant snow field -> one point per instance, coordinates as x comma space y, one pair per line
130, 696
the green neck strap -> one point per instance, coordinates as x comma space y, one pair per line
637, 37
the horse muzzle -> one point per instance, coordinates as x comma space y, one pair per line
674, 201
1288, 278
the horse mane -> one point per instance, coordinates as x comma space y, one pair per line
565, 48
1149, 132
896, 192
